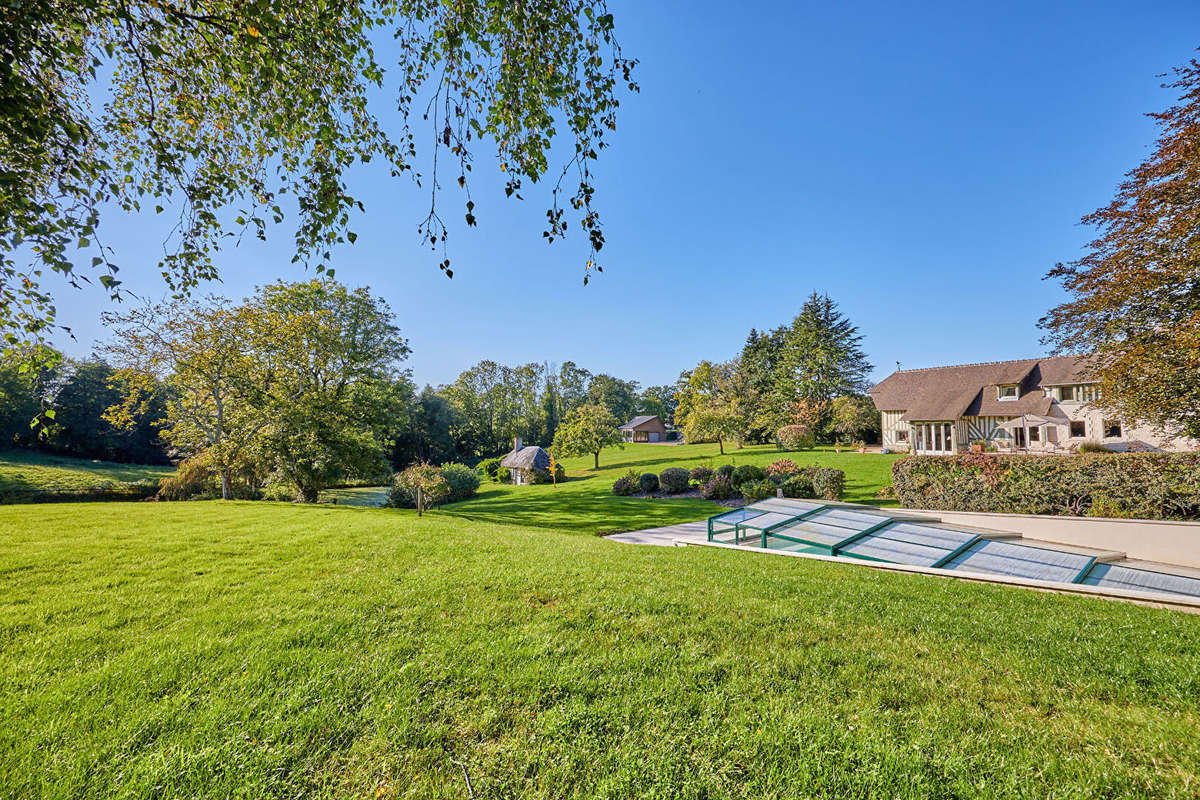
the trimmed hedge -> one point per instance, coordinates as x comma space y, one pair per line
701, 475
649, 482
1139, 485
829, 484
674, 480
746, 473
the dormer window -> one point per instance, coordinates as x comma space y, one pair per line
1006, 392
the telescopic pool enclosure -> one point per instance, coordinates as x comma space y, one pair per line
814, 527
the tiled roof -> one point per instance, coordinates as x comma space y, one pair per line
946, 393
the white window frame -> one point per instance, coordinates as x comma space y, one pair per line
1001, 388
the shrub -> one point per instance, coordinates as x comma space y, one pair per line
1140, 485
503, 474
724, 471
462, 481
489, 467
799, 485
649, 482
1093, 447
433, 485
886, 493
746, 473
542, 476
758, 490
829, 484
701, 475
191, 478
626, 485
674, 480
719, 488
782, 468
795, 437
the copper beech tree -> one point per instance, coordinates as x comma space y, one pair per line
1135, 295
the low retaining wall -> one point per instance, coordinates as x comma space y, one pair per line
1168, 541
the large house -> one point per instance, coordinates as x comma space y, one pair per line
1037, 404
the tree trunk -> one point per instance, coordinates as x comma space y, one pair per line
420, 501
721, 445
226, 485
596, 460
309, 494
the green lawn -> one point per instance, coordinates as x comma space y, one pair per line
26, 475
271, 650
585, 503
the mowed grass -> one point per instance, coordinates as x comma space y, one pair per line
26, 474
585, 503
264, 650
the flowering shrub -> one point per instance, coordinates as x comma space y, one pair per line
719, 488
782, 468
701, 475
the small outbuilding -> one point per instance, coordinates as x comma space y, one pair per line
527, 464
644, 429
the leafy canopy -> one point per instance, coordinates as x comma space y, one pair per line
231, 113
1135, 295
588, 429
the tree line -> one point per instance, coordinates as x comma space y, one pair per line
301, 386
810, 375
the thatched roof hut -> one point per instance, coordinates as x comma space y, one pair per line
524, 464
527, 458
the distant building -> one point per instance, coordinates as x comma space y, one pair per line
1035, 404
644, 429
522, 462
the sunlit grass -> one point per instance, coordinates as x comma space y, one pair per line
272, 650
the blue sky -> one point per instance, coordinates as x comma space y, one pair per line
923, 165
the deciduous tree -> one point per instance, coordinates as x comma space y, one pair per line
1135, 295
217, 112
588, 429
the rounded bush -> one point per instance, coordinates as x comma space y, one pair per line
795, 437
625, 485
746, 473
719, 488
724, 471
829, 483
674, 480
462, 480
701, 475
798, 485
758, 490
503, 475
649, 482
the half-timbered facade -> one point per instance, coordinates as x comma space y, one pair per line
1037, 404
